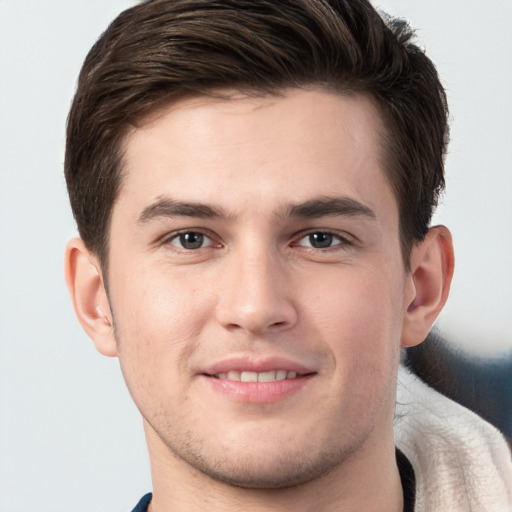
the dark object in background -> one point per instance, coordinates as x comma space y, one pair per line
482, 384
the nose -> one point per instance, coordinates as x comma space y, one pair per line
255, 293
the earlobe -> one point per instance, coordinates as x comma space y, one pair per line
86, 288
432, 265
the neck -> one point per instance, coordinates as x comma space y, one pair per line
369, 480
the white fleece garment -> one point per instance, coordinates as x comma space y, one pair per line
461, 462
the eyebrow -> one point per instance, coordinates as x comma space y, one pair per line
166, 207
314, 208
330, 206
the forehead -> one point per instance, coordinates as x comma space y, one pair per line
262, 151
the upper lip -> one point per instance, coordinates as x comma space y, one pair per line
258, 364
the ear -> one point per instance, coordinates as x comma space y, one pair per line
432, 264
85, 285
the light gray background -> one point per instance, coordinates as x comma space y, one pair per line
70, 438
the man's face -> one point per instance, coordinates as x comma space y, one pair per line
257, 239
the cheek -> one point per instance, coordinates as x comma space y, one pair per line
158, 319
355, 319
357, 314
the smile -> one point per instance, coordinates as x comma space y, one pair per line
268, 376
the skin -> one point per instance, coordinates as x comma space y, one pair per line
254, 290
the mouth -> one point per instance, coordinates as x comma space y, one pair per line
261, 383
259, 380
249, 376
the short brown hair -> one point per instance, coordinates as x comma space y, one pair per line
162, 50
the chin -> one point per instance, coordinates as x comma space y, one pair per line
257, 469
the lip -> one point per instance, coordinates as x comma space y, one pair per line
249, 363
256, 392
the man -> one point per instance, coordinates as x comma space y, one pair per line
253, 183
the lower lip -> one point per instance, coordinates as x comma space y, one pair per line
258, 392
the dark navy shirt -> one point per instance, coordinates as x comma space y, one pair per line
142, 506
408, 480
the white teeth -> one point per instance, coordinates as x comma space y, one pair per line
266, 376
249, 377
269, 376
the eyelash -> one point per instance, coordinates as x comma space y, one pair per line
343, 242
168, 240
